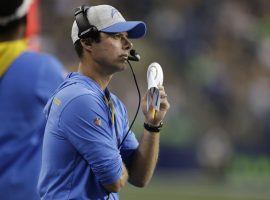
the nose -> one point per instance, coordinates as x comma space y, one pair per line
127, 45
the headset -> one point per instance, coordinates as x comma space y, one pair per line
86, 29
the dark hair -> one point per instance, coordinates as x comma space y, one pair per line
7, 8
10, 27
79, 48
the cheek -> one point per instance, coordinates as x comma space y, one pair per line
108, 50
112, 46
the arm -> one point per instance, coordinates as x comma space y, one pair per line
116, 186
94, 142
145, 158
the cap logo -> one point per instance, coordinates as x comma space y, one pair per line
113, 12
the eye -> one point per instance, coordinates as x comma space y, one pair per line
117, 36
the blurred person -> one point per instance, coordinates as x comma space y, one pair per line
215, 151
27, 80
84, 152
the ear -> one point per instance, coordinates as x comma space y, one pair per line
86, 44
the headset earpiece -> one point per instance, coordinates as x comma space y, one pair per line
86, 30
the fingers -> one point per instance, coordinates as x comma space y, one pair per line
160, 87
162, 92
155, 116
164, 104
163, 96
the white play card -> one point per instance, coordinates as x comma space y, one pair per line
154, 79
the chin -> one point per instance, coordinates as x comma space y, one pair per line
124, 66
121, 67
118, 67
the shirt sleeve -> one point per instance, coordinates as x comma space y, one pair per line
51, 74
130, 144
85, 124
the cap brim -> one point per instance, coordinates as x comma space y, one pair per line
135, 29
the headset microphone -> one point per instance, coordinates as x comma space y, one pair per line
134, 56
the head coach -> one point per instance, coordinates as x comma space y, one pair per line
86, 123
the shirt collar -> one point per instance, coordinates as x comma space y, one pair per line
78, 77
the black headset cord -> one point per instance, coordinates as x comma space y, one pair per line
135, 116
138, 108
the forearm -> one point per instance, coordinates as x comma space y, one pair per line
124, 176
145, 159
116, 187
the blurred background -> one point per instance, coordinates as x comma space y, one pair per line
216, 61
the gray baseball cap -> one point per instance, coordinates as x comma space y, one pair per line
107, 19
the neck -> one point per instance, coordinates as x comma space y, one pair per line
90, 71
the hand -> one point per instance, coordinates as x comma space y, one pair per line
159, 115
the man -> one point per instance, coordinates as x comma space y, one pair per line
82, 157
27, 80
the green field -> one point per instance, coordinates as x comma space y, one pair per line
195, 187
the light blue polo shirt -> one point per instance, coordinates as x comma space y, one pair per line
25, 88
81, 144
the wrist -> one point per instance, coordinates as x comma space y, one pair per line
152, 122
153, 128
